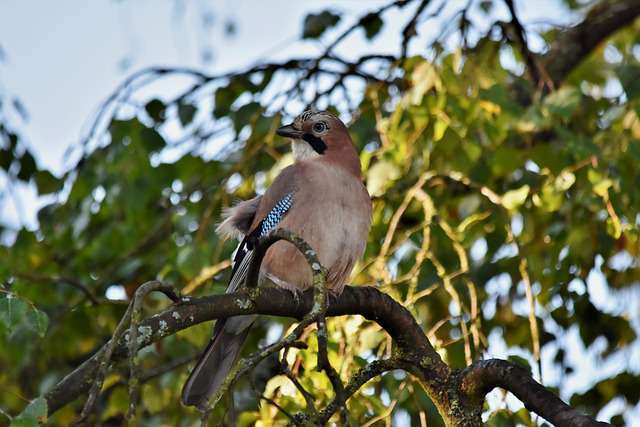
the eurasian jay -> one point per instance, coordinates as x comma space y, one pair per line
321, 198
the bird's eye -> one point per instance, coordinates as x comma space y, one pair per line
319, 127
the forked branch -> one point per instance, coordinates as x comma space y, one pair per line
458, 395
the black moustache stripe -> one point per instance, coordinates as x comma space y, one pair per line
316, 143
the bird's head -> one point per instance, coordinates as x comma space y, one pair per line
317, 134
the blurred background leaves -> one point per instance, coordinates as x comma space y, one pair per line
505, 220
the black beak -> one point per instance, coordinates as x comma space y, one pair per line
289, 131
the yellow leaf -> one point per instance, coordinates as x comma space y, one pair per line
439, 128
489, 107
564, 181
513, 199
602, 188
380, 176
424, 78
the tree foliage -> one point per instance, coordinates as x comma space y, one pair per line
498, 195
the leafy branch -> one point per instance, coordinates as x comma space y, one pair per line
458, 394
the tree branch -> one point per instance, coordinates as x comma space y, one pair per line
484, 375
574, 44
372, 370
366, 301
533, 66
409, 30
413, 353
457, 395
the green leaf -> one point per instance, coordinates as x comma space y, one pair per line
500, 418
316, 24
12, 310
47, 182
600, 183
27, 166
226, 96
439, 128
6, 158
151, 139
564, 101
38, 321
381, 176
37, 408
24, 420
372, 25
424, 77
499, 95
186, 112
245, 115
513, 199
156, 110
614, 227
505, 160
564, 181
520, 361
628, 75
602, 187
33, 415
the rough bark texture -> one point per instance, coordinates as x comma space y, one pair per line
574, 44
485, 375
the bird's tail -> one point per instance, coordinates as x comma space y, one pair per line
216, 361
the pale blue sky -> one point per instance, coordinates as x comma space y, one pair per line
63, 57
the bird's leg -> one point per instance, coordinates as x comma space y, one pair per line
296, 293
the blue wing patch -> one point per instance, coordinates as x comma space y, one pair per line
276, 214
244, 254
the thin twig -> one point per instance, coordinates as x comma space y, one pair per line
536, 71
136, 316
59, 279
279, 408
324, 365
360, 378
103, 364
533, 322
308, 397
409, 30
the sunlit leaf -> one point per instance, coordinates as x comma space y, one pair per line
515, 198
381, 176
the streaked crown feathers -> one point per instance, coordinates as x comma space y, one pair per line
312, 114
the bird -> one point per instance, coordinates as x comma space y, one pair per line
322, 198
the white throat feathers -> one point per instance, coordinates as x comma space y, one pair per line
302, 150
